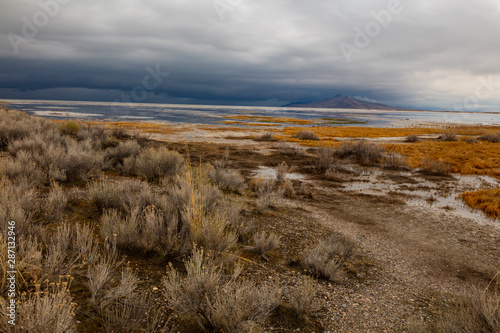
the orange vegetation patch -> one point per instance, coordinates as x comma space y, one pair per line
467, 158
487, 201
375, 132
267, 119
136, 126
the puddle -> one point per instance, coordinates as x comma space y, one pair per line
418, 191
267, 172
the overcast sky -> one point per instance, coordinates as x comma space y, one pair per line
432, 54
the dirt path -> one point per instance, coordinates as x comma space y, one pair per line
419, 256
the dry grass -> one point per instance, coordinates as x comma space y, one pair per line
483, 158
488, 201
287, 149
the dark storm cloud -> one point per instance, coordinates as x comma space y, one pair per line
430, 54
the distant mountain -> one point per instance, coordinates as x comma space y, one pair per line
342, 102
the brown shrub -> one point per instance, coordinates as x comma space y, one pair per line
494, 138
325, 158
326, 258
395, 161
362, 151
448, 136
268, 136
412, 138
306, 135
433, 167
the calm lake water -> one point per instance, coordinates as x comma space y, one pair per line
214, 114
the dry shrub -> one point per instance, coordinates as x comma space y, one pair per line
267, 195
217, 303
325, 158
227, 179
128, 314
478, 311
362, 151
155, 164
487, 201
116, 156
23, 170
306, 135
395, 161
264, 243
493, 138
287, 149
302, 299
327, 257
433, 167
268, 136
55, 203
448, 136
209, 231
47, 310
281, 171
69, 127
19, 203
412, 138
28, 260
121, 196
287, 188
14, 125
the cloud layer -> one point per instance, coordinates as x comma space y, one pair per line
419, 54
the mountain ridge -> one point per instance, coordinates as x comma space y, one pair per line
341, 102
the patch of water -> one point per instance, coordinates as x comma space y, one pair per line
440, 195
267, 172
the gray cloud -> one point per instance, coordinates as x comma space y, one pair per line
430, 54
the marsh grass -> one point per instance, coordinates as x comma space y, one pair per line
488, 201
